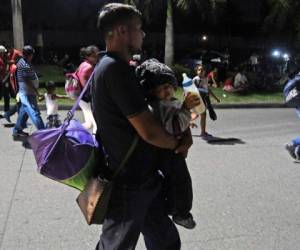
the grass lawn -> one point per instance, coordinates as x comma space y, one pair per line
55, 73
232, 98
226, 98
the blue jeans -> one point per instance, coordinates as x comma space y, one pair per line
29, 107
138, 210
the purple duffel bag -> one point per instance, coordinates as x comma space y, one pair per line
68, 154
62, 152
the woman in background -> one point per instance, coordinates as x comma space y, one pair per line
90, 58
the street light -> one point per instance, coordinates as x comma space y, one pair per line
276, 53
286, 56
204, 37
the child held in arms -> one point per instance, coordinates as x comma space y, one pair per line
159, 83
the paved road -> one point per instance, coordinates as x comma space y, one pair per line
246, 195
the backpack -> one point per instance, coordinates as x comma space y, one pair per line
291, 92
73, 86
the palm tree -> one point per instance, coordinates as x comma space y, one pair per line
147, 6
283, 19
16, 8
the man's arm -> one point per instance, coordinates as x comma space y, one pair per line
31, 86
151, 131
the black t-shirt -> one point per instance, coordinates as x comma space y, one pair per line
116, 96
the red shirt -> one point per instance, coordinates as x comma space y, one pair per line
2, 69
12, 76
14, 55
84, 72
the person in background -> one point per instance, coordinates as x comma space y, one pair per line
201, 81
212, 77
84, 71
3, 74
50, 98
253, 61
13, 92
11, 88
241, 81
28, 83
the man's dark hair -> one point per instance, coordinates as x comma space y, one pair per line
115, 13
28, 50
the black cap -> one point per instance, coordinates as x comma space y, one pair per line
151, 74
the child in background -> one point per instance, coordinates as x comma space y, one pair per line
201, 81
212, 77
159, 83
51, 105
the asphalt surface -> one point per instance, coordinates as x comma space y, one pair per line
246, 191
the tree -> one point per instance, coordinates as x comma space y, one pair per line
147, 7
18, 35
282, 19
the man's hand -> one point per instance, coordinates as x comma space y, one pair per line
185, 143
191, 101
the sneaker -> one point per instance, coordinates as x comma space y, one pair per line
20, 136
291, 149
7, 117
26, 144
187, 222
205, 135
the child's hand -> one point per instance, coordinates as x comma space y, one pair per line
191, 100
193, 125
40, 98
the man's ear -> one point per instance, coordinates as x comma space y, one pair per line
122, 29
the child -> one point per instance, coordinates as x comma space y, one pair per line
159, 82
51, 105
212, 78
201, 82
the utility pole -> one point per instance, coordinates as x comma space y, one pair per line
18, 35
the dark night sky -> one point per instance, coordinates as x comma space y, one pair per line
244, 16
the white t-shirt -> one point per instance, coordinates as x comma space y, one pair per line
253, 60
239, 80
51, 104
201, 82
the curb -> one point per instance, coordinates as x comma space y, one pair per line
250, 106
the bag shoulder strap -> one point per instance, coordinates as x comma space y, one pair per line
128, 154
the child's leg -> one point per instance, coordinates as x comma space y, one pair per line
165, 168
181, 185
203, 123
212, 113
57, 122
